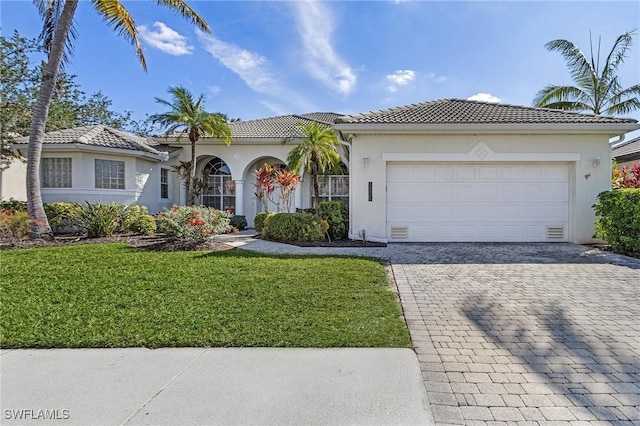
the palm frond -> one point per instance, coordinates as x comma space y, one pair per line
557, 94
50, 11
617, 54
184, 10
578, 64
117, 15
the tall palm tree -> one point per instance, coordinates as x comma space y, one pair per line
58, 34
188, 116
597, 88
317, 152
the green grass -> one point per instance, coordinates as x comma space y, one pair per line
112, 295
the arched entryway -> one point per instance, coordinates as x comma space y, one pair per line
219, 189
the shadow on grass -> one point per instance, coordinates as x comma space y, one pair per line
588, 370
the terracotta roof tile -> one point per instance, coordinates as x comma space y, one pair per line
99, 135
627, 150
459, 111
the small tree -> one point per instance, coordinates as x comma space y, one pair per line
317, 152
270, 178
265, 185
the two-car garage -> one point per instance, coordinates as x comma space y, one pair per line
439, 202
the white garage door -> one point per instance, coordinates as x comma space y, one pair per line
477, 202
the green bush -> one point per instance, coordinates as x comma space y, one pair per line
63, 217
293, 227
136, 219
101, 220
15, 225
238, 222
258, 221
618, 219
12, 204
195, 223
337, 216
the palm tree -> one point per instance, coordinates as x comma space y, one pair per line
597, 88
187, 116
58, 35
317, 152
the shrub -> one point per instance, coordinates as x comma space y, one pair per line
63, 217
258, 221
337, 216
293, 227
238, 222
136, 219
15, 225
12, 204
618, 219
101, 220
196, 223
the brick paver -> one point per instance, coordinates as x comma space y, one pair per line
523, 333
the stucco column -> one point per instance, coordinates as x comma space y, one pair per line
183, 192
297, 198
239, 196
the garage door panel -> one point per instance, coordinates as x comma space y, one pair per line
477, 202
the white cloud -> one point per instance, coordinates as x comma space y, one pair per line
484, 97
165, 39
400, 78
324, 64
253, 69
250, 67
276, 108
214, 90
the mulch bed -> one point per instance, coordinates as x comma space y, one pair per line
159, 242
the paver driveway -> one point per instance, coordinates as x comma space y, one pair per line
536, 333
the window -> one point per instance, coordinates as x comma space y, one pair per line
164, 183
109, 174
220, 190
56, 172
334, 187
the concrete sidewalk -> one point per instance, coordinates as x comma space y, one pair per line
212, 386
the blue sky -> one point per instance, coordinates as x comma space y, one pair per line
274, 57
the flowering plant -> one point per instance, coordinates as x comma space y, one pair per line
197, 223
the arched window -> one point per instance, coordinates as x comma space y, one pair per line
220, 190
334, 186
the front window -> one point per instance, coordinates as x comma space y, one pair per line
220, 189
164, 183
109, 174
334, 187
56, 172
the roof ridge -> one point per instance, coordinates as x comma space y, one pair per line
91, 132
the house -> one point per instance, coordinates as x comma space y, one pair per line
439, 171
458, 170
98, 163
626, 153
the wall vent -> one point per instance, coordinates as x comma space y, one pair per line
555, 232
399, 232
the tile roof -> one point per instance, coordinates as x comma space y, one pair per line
103, 136
281, 127
629, 149
460, 111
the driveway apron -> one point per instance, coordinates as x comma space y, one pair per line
526, 333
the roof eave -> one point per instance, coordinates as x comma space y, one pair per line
104, 149
611, 129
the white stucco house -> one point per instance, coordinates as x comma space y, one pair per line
442, 171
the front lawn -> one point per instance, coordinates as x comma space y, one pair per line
112, 295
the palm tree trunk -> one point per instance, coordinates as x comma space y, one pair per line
40, 225
316, 189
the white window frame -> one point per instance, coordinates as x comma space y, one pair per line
111, 177
56, 172
164, 183
329, 195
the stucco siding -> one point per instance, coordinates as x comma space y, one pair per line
588, 176
13, 181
